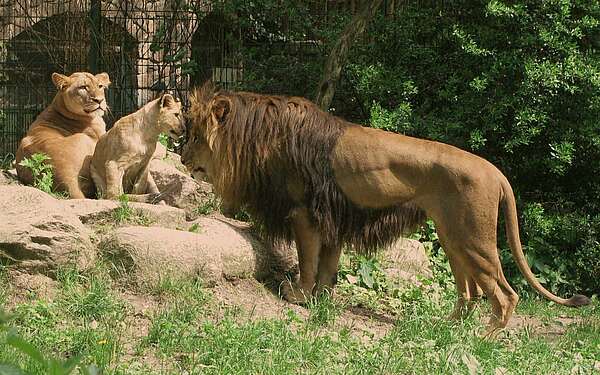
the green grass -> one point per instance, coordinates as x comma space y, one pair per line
6, 162
210, 205
82, 320
125, 214
187, 331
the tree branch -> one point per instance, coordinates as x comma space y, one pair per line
339, 53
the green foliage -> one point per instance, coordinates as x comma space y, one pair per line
516, 82
6, 161
363, 271
163, 139
125, 214
323, 310
440, 267
43, 177
168, 142
210, 205
562, 248
194, 228
39, 316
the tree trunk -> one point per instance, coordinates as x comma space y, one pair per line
339, 53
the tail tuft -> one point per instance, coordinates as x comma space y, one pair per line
578, 300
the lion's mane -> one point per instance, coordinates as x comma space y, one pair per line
264, 141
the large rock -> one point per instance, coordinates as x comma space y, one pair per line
38, 234
406, 261
178, 189
215, 250
160, 152
9, 177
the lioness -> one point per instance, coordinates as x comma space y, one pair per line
67, 131
324, 182
120, 161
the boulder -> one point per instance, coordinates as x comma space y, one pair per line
179, 189
9, 177
160, 152
38, 234
214, 250
405, 261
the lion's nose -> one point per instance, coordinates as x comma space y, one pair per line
98, 100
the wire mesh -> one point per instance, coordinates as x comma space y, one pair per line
143, 45
146, 47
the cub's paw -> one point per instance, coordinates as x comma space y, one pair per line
155, 198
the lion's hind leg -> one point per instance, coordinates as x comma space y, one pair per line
467, 290
144, 189
485, 269
463, 305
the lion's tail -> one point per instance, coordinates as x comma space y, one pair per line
512, 233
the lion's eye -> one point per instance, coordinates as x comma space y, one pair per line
84, 87
100, 86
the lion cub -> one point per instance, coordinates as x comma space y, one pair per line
120, 161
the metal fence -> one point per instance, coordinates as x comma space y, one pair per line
145, 46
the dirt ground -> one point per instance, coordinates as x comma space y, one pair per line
252, 300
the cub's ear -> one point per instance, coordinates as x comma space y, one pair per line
167, 101
221, 108
60, 81
103, 79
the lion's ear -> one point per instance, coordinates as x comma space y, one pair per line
60, 81
167, 101
103, 78
221, 108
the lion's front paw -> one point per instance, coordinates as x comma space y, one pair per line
292, 293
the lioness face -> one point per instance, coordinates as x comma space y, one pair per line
83, 93
197, 155
170, 118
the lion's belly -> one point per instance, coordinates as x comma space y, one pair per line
375, 189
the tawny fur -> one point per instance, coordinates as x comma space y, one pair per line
312, 177
121, 160
67, 131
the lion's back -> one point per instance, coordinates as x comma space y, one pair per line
67, 148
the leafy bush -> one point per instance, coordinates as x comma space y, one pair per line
516, 83
562, 248
43, 177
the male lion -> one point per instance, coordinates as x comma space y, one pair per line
325, 182
67, 131
122, 156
